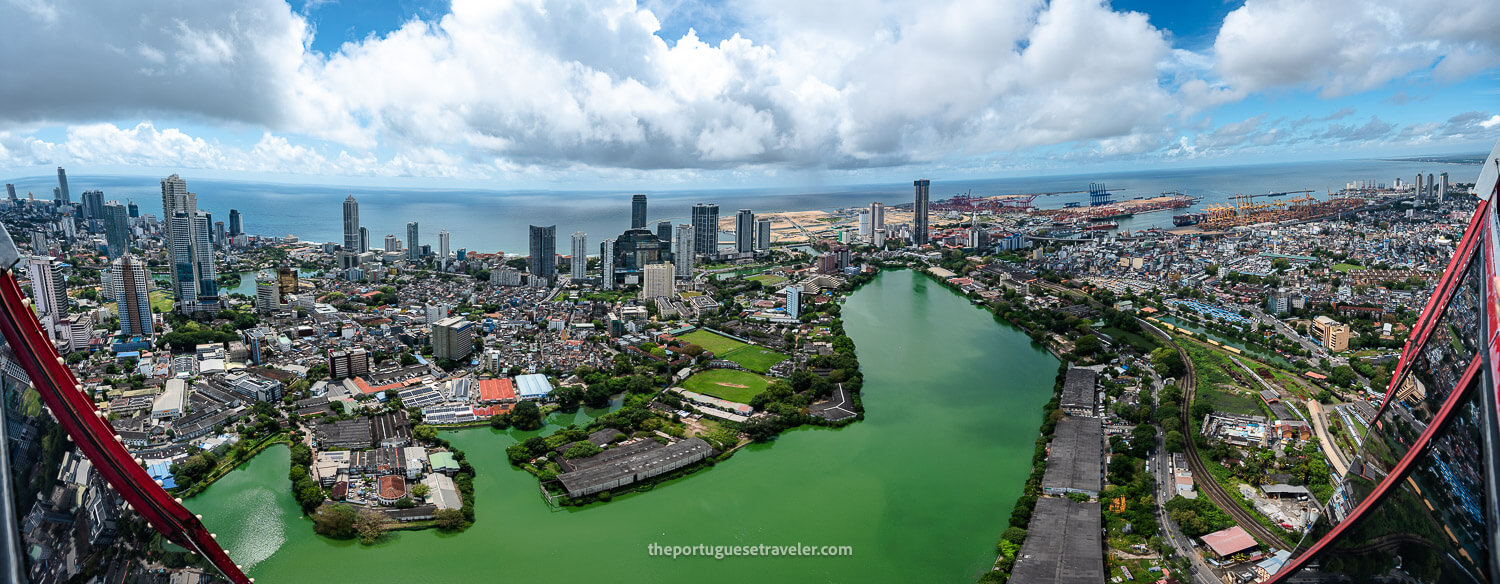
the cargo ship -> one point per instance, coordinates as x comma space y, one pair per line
1101, 226
1186, 219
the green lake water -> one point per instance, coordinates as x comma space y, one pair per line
921, 489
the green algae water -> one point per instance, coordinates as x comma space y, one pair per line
920, 490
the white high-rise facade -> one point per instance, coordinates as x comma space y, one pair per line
579, 262
658, 282
49, 292
607, 264
443, 245
682, 251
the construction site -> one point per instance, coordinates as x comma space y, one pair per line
1244, 210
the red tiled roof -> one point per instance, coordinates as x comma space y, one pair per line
496, 389
394, 487
364, 386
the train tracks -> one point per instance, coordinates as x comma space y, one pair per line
1204, 480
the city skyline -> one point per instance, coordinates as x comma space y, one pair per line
981, 96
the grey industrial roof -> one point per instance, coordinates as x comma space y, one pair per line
353, 433
582, 480
1063, 544
613, 454
1078, 388
1076, 458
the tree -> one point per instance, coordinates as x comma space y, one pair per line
371, 526
1174, 441
583, 449
420, 490
449, 519
408, 359
336, 521
1087, 345
526, 416
1168, 362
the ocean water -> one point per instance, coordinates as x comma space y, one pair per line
493, 220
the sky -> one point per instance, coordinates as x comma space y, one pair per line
560, 94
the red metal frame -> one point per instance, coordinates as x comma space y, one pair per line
1394, 477
87, 427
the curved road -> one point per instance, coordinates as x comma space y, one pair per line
1206, 482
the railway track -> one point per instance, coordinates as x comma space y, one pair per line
1204, 480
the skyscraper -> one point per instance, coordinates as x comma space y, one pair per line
864, 223
1419, 501
235, 226
637, 211
221, 234
1431, 185
10, 191
135, 210
413, 244
664, 231
62, 187
49, 292
93, 204
877, 216
607, 264
364, 239
1442, 187
391, 243
744, 231
762, 235
658, 281
706, 229
351, 224
578, 267
543, 261
116, 229
443, 244
1421, 192
919, 212
132, 292
195, 285
682, 251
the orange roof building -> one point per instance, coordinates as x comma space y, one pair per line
392, 489
497, 390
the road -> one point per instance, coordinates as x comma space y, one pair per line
1166, 488
1207, 486
1331, 449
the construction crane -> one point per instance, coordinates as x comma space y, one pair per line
88, 427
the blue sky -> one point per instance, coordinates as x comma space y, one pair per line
680, 93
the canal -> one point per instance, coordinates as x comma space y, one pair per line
921, 489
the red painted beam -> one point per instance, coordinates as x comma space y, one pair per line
93, 435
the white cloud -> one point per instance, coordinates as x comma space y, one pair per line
1340, 47
560, 87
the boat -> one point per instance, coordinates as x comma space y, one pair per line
1101, 226
1112, 216
1186, 219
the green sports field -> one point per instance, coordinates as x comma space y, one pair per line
748, 356
730, 384
717, 344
